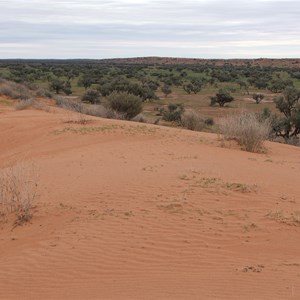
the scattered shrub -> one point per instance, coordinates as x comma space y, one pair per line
246, 129
258, 97
14, 90
103, 112
124, 103
192, 120
287, 125
91, 96
222, 97
166, 89
69, 104
174, 112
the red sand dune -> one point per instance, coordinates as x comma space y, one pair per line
133, 211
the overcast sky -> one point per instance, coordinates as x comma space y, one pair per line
130, 28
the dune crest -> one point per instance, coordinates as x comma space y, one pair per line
133, 211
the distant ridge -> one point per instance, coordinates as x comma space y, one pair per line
155, 60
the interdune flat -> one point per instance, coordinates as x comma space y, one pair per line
133, 211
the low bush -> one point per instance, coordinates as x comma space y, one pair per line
246, 129
102, 112
69, 104
222, 97
124, 103
91, 96
14, 90
174, 113
192, 120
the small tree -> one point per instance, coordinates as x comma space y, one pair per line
57, 85
258, 97
92, 96
222, 97
67, 88
288, 125
193, 87
127, 104
166, 89
279, 85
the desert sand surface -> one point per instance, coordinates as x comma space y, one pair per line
133, 211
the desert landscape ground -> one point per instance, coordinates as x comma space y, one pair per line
137, 211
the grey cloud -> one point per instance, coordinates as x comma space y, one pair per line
138, 28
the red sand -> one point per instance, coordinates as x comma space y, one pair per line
133, 211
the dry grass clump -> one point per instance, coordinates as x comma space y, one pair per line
103, 112
192, 120
80, 117
139, 118
44, 93
14, 90
24, 104
246, 129
69, 104
18, 190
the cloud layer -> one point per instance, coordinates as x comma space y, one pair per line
128, 28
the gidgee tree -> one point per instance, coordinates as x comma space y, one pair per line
288, 125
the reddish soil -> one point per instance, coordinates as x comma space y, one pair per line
133, 211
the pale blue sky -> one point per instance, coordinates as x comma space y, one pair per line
130, 28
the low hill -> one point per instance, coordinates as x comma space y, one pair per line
133, 211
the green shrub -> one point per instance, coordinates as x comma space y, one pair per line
174, 112
222, 97
288, 124
91, 96
125, 103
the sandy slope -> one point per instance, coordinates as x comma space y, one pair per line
128, 211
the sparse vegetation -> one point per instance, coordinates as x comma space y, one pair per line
195, 85
18, 191
14, 90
